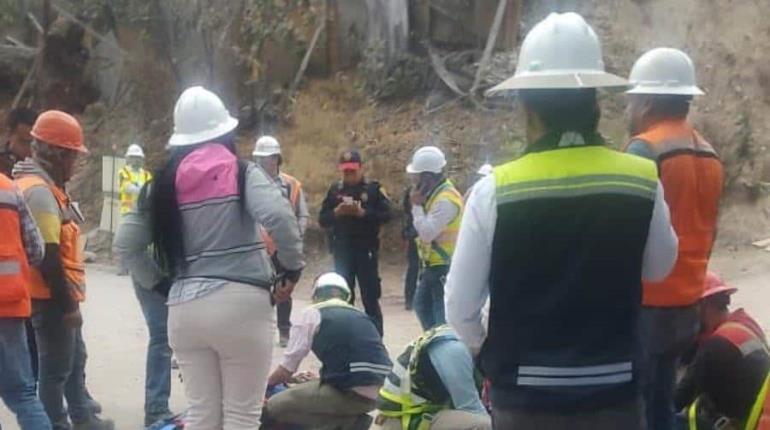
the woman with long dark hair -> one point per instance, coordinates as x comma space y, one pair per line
205, 207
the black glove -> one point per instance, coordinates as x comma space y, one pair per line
292, 275
163, 287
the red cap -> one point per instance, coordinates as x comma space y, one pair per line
350, 160
349, 166
715, 285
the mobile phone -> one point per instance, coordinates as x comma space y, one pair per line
424, 186
347, 200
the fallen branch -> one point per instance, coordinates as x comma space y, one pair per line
491, 40
15, 42
35, 23
15, 53
306, 59
442, 72
442, 106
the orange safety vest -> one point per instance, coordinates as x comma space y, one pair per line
692, 178
14, 268
69, 251
295, 189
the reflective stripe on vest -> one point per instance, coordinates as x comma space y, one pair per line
692, 176
439, 252
543, 182
742, 338
69, 248
397, 396
542, 376
127, 174
14, 297
295, 188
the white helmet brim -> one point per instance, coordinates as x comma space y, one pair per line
182, 139
544, 81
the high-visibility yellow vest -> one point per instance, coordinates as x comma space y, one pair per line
759, 418
404, 394
130, 178
439, 251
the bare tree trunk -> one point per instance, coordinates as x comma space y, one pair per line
332, 35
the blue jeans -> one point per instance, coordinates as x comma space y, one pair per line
157, 383
665, 334
17, 384
429, 297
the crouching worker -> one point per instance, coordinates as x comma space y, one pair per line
725, 386
354, 363
433, 385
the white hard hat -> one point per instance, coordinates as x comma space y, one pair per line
664, 71
330, 281
560, 52
427, 159
266, 146
199, 116
135, 150
485, 170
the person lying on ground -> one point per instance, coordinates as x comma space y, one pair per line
433, 385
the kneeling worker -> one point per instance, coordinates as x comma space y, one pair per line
726, 384
354, 363
433, 386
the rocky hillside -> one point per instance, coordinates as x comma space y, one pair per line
728, 40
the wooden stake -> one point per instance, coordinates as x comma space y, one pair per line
306, 59
491, 39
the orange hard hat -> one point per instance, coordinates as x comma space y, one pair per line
60, 129
715, 285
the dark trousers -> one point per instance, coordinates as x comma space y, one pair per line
358, 263
61, 358
283, 316
665, 333
628, 416
412, 272
32, 346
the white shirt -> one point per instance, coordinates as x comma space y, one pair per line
467, 287
429, 226
303, 332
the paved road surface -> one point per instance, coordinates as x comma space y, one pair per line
115, 332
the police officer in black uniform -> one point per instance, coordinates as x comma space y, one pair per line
353, 210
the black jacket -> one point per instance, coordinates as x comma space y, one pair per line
408, 232
352, 231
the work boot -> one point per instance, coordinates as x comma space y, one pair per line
283, 338
363, 422
151, 419
94, 423
94, 406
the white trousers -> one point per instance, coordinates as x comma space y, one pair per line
224, 342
